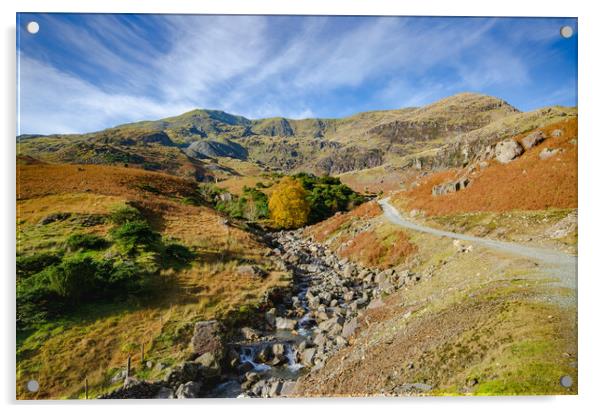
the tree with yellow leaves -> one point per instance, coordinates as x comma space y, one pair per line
288, 204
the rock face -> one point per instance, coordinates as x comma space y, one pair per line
211, 149
207, 339
532, 139
450, 187
350, 159
507, 150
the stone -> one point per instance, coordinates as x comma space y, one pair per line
420, 387
207, 338
556, 133
249, 334
57, 216
208, 361
548, 153
507, 150
165, 393
288, 388
340, 341
313, 301
349, 328
270, 317
119, 376
349, 271
307, 356
380, 277
278, 349
348, 296
319, 339
251, 270
275, 389
533, 139
285, 323
189, 390
330, 323
130, 381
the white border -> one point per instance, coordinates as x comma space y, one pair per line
590, 208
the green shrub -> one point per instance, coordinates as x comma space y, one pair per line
134, 234
124, 214
76, 277
327, 196
86, 242
28, 265
178, 253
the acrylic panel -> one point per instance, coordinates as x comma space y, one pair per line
295, 206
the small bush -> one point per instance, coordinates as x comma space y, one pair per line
134, 234
125, 214
178, 252
76, 277
28, 265
86, 242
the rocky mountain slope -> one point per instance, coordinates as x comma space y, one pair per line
448, 132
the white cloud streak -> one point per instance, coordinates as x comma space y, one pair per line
257, 66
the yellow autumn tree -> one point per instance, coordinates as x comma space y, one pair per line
288, 204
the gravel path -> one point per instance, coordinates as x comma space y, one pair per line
558, 264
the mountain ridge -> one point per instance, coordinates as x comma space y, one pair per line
318, 145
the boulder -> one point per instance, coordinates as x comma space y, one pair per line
288, 388
251, 270
278, 349
556, 133
211, 367
307, 356
189, 390
274, 389
349, 328
533, 139
285, 323
165, 393
270, 317
549, 152
340, 341
207, 338
507, 150
249, 334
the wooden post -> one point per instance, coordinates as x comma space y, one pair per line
142, 355
86, 388
129, 366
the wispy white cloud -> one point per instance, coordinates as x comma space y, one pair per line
119, 70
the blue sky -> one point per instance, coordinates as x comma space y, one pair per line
82, 73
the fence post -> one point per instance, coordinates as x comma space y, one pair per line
129, 366
86, 388
142, 355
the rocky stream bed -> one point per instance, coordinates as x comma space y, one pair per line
306, 326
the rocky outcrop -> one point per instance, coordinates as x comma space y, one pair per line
548, 153
204, 149
350, 159
450, 187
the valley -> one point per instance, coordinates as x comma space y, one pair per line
415, 251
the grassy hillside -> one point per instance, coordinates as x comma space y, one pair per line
94, 339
